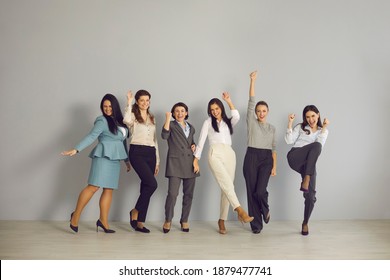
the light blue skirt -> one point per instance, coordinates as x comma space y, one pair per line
104, 173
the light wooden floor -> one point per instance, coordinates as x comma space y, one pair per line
279, 240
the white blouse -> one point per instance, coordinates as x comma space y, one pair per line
299, 138
221, 137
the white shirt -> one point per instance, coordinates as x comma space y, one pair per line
221, 137
299, 138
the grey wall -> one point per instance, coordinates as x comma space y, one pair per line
58, 58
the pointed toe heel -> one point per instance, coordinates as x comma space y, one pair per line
221, 226
305, 229
184, 229
243, 216
74, 228
166, 227
106, 230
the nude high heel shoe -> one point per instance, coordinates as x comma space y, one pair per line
166, 227
243, 217
221, 225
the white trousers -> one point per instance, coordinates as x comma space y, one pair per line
222, 162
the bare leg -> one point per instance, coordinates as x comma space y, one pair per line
84, 197
105, 204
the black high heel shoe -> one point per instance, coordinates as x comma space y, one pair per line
133, 223
74, 228
106, 230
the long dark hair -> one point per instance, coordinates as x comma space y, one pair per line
227, 120
179, 104
116, 119
304, 122
135, 109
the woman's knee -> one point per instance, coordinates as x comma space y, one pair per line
317, 147
150, 185
92, 188
310, 197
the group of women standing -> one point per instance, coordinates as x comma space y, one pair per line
182, 167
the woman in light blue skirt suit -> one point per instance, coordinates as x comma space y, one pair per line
111, 133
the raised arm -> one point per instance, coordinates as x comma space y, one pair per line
253, 77
228, 100
291, 136
127, 117
167, 123
291, 118
165, 133
325, 124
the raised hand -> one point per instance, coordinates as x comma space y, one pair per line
291, 117
226, 96
325, 123
253, 75
129, 97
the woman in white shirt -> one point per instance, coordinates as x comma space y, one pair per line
143, 153
307, 138
222, 159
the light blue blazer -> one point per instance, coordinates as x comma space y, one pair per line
111, 146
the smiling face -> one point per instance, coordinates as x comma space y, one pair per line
107, 108
180, 113
143, 102
312, 119
216, 111
261, 113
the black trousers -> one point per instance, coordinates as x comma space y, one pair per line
257, 170
303, 160
143, 161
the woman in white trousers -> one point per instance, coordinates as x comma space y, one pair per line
218, 128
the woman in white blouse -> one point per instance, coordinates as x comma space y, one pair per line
218, 128
307, 138
143, 153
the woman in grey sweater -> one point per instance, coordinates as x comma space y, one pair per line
260, 159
